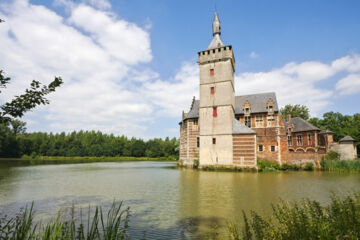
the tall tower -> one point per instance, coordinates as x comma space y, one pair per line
217, 101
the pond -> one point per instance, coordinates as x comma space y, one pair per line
166, 203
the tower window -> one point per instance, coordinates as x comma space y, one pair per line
198, 142
212, 72
214, 111
212, 90
214, 140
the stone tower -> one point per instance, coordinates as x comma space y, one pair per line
217, 101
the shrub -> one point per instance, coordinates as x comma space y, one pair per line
196, 163
309, 166
268, 166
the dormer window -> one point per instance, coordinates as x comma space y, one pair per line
247, 108
270, 105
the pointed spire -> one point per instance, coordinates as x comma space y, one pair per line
216, 25
216, 28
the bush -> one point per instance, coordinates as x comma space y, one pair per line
267, 166
304, 220
309, 166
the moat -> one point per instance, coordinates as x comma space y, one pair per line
166, 203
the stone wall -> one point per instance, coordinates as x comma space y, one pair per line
303, 157
347, 151
244, 150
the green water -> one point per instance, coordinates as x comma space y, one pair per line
166, 203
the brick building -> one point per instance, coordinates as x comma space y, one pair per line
223, 129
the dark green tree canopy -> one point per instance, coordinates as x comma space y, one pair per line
295, 111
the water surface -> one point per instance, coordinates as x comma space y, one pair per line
166, 203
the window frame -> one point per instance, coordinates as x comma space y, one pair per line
299, 140
260, 148
289, 138
247, 121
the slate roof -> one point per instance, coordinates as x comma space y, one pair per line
300, 125
239, 128
257, 102
347, 139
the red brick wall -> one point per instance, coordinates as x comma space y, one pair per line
244, 153
188, 140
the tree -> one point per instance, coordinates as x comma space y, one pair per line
295, 111
18, 126
32, 97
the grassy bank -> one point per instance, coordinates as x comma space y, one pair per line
63, 160
303, 220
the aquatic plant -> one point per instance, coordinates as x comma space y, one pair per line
303, 220
99, 226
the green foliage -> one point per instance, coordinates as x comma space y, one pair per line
295, 111
309, 166
196, 163
304, 220
269, 166
341, 125
112, 226
32, 97
340, 165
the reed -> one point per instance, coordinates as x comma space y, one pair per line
303, 220
98, 226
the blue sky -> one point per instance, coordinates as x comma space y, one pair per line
130, 66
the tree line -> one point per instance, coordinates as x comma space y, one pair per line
15, 142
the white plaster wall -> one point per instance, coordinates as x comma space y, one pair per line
220, 153
222, 124
222, 72
223, 94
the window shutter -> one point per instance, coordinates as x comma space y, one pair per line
214, 111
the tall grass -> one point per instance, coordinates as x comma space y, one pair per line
303, 220
98, 226
331, 162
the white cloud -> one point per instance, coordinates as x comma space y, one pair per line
95, 66
108, 84
253, 55
174, 96
100, 4
349, 85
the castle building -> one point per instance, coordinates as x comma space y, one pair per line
226, 130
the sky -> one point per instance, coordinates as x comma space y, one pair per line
130, 67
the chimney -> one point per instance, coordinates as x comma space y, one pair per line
288, 118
